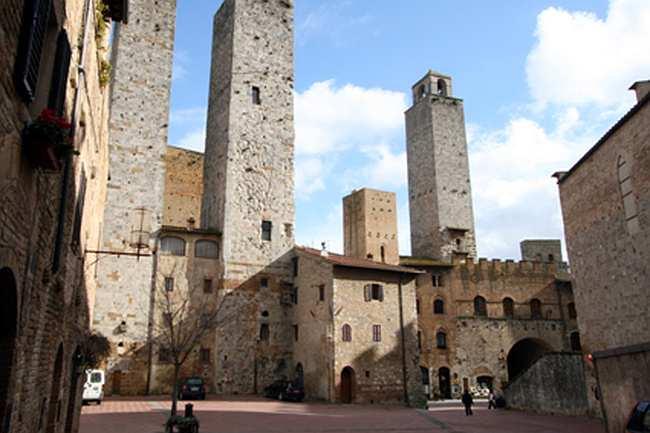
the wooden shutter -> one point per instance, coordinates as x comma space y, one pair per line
60, 73
367, 293
36, 14
381, 293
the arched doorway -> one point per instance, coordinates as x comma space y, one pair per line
347, 385
300, 375
524, 354
444, 383
74, 389
54, 408
8, 328
485, 382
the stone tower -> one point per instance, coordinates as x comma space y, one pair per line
440, 198
248, 187
139, 104
370, 226
248, 192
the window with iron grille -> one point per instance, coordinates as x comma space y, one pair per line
376, 333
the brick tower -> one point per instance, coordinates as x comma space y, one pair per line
248, 185
139, 104
440, 197
370, 226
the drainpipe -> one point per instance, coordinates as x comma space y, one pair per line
152, 305
403, 342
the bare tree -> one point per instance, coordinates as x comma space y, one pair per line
182, 319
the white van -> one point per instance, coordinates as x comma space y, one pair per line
94, 386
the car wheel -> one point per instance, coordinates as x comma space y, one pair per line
99, 402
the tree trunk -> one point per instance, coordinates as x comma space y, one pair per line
175, 389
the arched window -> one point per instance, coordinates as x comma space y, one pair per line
627, 195
573, 314
206, 249
422, 91
442, 87
172, 245
438, 306
480, 306
535, 309
346, 333
441, 340
576, 346
508, 307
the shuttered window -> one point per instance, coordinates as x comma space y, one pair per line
172, 245
36, 14
376, 333
79, 209
60, 73
373, 292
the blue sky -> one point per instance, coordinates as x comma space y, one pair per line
541, 81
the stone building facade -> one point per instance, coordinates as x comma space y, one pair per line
440, 195
183, 187
52, 207
605, 201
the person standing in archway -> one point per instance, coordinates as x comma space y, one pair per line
468, 401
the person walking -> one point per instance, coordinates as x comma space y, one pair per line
468, 401
492, 401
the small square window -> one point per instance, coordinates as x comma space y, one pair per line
207, 285
169, 284
264, 283
255, 95
266, 230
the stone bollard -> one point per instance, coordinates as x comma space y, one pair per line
189, 410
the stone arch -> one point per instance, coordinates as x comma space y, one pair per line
348, 385
8, 332
524, 353
439, 306
480, 306
54, 407
442, 87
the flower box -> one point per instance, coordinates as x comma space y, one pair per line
46, 141
42, 154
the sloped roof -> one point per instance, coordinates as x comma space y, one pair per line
354, 262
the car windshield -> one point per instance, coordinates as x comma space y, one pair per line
195, 381
95, 378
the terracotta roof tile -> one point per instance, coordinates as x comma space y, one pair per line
354, 262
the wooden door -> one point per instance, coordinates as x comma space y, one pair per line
117, 382
347, 385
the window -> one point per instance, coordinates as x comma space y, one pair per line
573, 314
60, 74
79, 209
206, 249
346, 332
264, 283
576, 346
442, 87
294, 296
255, 94
295, 332
264, 332
417, 306
441, 340
321, 292
436, 280
419, 340
627, 195
294, 265
373, 292
207, 285
551, 258
376, 333
480, 307
169, 284
535, 309
204, 355
508, 307
383, 254
266, 230
172, 245
438, 306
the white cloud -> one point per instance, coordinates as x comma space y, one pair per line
309, 176
193, 140
180, 66
580, 59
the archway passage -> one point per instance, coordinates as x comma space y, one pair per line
54, 408
347, 385
8, 328
444, 382
524, 354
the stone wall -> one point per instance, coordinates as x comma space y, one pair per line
541, 250
610, 252
555, 384
440, 198
183, 187
370, 225
142, 67
45, 312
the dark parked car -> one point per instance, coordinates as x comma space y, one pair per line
192, 388
285, 390
639, 421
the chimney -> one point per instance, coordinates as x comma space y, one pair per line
642, 88
323, 251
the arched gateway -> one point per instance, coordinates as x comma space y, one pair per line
524, 354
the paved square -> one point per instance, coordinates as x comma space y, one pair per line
252, 415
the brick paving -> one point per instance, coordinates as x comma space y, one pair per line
252, 415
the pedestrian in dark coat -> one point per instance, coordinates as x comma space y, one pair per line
468, 401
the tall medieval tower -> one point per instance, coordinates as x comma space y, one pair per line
248, 186
440, 197
142, 55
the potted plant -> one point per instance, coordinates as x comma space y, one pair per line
47, 140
